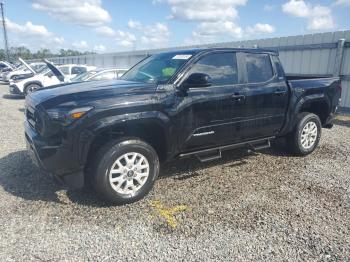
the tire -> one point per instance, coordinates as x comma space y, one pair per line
306, 134
125, 178
31, 88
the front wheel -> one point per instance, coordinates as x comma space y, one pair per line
31, 88
306, 134
125, 171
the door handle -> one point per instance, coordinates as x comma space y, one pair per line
280, 92
238, 97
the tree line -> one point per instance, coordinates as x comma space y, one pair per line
26, 54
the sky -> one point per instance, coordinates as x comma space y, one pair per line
106, 26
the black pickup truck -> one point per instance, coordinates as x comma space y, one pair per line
172, 105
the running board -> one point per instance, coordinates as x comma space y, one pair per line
205, 155
261, 146
208, 157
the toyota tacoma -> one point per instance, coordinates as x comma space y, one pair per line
172, 105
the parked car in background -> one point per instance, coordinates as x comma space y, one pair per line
6, 67
25, 70
72, 70
53, 75
100, 74
173, 105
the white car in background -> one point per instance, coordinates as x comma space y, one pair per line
52, 76
23, 70
5, 65
100, 74
5, 68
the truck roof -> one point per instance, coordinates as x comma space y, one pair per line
194, 51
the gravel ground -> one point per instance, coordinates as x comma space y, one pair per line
262, 206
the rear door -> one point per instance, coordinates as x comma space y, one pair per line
265, 98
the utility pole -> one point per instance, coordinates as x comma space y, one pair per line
5, 32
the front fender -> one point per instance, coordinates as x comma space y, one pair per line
111, 123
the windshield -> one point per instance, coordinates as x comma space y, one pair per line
83, 76
157, 68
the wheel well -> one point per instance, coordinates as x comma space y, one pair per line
30, 83
151, 133
319, 108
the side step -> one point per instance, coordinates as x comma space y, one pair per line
205, 157
215, 153
261, 146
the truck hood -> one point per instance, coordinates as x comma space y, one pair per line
83, 93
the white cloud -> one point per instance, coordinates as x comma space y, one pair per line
343, 2
156, 35
218, 28
122, 38
260, 28
80, 45
135, 24
203, 10
318, 17
28, 29
216, 18
99, 48
269, 8
58, 40
105, 31
34, 35
297, 8
125, 39
208, 32
82, 12
321, 18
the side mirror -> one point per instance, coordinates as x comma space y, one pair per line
197, 80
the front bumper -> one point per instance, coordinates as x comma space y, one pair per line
15, 90
55, 160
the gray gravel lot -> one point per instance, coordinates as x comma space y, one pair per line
261, 206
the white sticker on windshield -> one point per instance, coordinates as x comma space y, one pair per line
184, 57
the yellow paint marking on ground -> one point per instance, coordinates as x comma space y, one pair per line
167, 213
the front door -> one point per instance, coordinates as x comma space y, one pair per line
205, 117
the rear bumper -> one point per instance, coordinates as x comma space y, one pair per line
55, 160
15, 90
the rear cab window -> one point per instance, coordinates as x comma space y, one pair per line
259, 68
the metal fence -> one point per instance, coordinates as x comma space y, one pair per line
324, 54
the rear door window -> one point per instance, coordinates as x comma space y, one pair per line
259, 68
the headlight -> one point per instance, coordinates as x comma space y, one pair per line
66, 117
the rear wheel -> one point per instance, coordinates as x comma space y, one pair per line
125, 171
306, 134
31, 88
